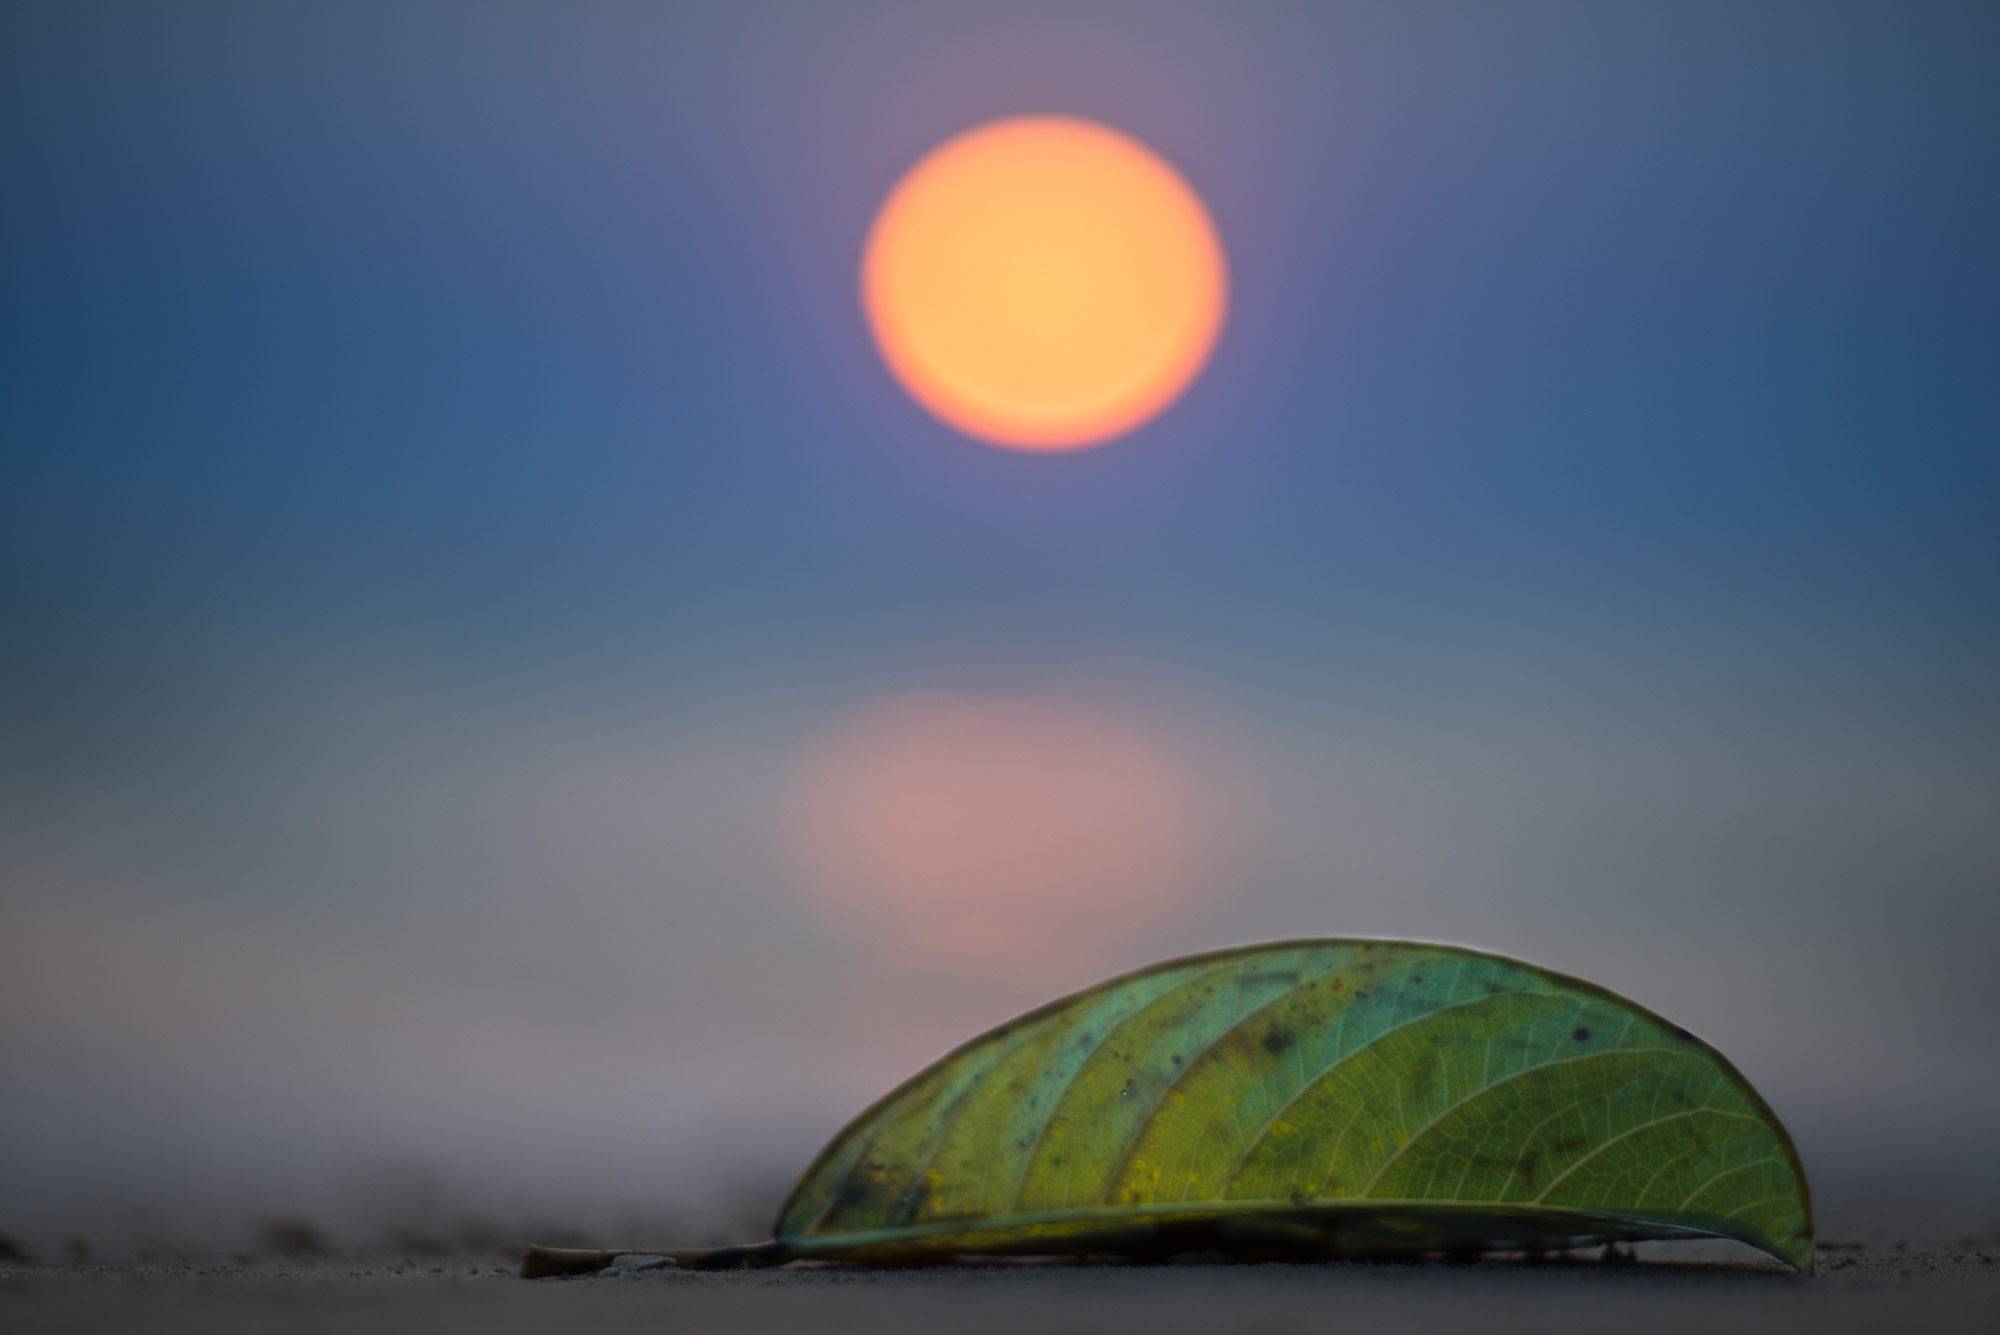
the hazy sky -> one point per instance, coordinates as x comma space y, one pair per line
448, 485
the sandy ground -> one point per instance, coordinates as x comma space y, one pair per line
1885, 1291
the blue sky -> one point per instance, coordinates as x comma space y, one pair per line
1677, 296
1586, 519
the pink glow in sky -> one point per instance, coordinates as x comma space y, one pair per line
1011, 837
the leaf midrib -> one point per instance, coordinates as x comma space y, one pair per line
1209, 1209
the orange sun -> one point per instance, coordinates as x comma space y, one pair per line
1044, 283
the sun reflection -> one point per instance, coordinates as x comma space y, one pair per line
1011, 837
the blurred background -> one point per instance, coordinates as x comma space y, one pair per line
484, 634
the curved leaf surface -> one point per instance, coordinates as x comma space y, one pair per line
1311, 1098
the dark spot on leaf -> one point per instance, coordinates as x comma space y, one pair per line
1177, 1059
857, 1196
1682, 1033
1581, 1035
1277, 1040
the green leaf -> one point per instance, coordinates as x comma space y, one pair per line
1310, 1098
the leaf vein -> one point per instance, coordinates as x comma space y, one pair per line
1727, 1172
1633, 1131
1477, 1093
1187, 1069
1229, 1179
